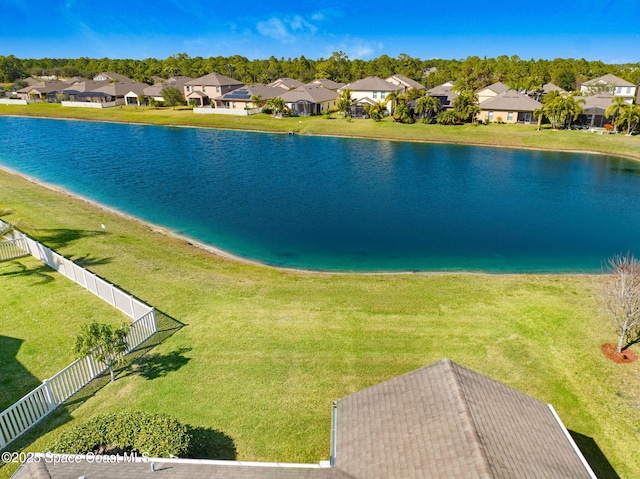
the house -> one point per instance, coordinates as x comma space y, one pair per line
371, 88
239, 101
155, 91
328, 84
209, 86
286, 83
122, 92
611, 84
440, 421
111, 77
44, 91
509, 107
594, 108
445, 94
403, 83
491, 91
309, 100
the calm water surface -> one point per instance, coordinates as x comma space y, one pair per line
344, 204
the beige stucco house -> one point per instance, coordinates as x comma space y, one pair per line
509, 107
309, 100
491, 91
209, 86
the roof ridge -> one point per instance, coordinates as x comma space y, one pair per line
483, 466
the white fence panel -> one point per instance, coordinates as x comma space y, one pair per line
92, 284
123, 302
13, 248
24, 414
141, 329
105, 291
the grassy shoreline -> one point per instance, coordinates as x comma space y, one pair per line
493, 135
263, 351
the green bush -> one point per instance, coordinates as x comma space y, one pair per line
155, 435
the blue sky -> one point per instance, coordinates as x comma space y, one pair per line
607, 30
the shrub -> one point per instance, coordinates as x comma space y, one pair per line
156, 435
609, 127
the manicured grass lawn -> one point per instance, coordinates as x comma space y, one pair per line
520, 136
41, 314
263, 352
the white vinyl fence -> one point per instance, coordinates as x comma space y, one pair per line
33, 407
13, 248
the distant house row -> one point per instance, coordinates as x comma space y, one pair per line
218, 94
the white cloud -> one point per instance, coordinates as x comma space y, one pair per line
285, 28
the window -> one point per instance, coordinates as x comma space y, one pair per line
204, 88
217, 89
375, 95
490, 115
233, 105
382, 94
510, 116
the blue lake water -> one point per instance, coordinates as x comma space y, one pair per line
344, 204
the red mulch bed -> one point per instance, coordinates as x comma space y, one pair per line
626, 356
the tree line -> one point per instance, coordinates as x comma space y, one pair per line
471, 73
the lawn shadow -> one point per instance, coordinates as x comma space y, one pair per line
87, 260
152, 366
594, 456
207, 443
15, 379
41, 272
61, 237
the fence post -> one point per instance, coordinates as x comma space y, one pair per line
49, 394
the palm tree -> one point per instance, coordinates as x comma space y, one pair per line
615, 109
427, 106
466, 105
257, 101
345, 100
376, 111
630, 117
540, 113
403, 114
393, 98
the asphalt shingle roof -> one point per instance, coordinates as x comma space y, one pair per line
447, 421
510, 101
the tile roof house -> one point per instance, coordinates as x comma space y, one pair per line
370, 88
491, 91
238, 101
286, 83
445, 94
44, 91
112, 77
594, 108
611, 84
403, 83
155, 91
309, 100
325, 82
439, 421
211, 85
511, 106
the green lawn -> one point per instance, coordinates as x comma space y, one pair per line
520, 136
41, 313
263, 352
